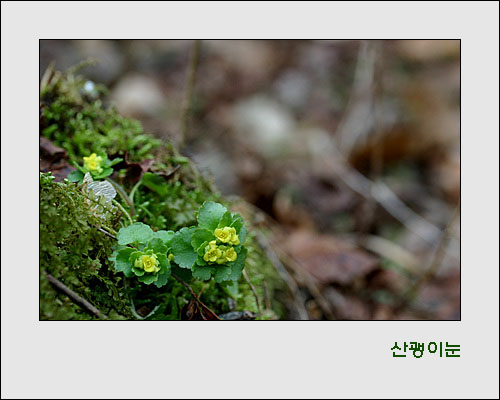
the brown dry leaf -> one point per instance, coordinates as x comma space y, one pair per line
329, 259
54, 159
135, 170
193, 312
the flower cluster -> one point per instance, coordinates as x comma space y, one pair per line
227, 235
213, 248
144, 254
219, 254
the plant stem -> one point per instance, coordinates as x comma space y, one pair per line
190, 289
132, 192
123, 195
123, 211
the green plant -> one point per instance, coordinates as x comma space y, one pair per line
144, 254
99, 166
212, 248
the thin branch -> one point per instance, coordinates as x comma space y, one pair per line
107, 233
253, 290
435, 262
190, 289
359, 183
73, 296
298, 298
191, 79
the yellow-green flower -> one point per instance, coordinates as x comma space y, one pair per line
235, 240
147, 263
223, 234
212, 253
230, 254
93, 163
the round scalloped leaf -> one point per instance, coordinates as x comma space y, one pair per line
138, 271
165, 236
200, 237
226, 220
135, 233
202, 273
183, 252
162, 279
210, 215
148, 279
122, 261
222, 273
238, 265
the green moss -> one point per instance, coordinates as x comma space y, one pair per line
74, 251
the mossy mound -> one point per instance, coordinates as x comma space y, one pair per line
75, 117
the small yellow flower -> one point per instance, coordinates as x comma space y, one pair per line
212, 253
223, 234
222, 259
235, 240
230, 254
93, 163
147, 263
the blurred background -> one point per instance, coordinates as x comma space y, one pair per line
350, 148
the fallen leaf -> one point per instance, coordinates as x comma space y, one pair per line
329, 259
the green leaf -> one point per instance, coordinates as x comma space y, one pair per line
242, 234
138, 271
226, 220
114, 161
165, 236
184, 255
137, 232
155, 182
75, 176
202, 273
200, 237
148, 279
122, 261
238, 265
230, 288
237, 223
184, 274
162, 279
157, 246
107, 171
201, 252
222, 273
210, 215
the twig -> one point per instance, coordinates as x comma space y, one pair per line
425, 230
190, 289
304, 275
435, 262
298, 298
387, 249
191, 79
73, 296
253, 290
107, 233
